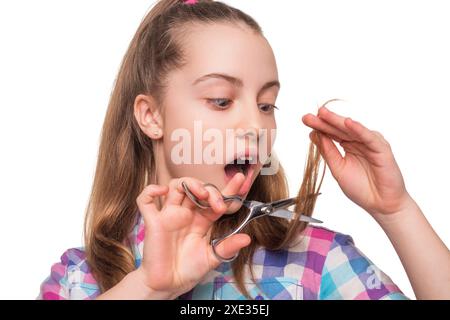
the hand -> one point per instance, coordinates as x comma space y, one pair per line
177, 253
369, 176
368, 173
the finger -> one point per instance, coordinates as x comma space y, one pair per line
176, 218
233, 187
230, 247
216, 202
203, 222
320, 124
334, 120
147, 198
330, 153
354, 148
328, 135
206, 218
196, 187
374, 158
314, 132
215, 198
372, 139
176, 194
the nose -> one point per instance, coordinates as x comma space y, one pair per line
251, 134
254, 130
251, 124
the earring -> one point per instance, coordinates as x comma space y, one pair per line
156, 132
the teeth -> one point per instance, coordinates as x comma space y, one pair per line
244, 160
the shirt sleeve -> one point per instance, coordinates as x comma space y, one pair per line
69, 279
348, 275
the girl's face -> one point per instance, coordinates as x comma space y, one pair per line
219, 107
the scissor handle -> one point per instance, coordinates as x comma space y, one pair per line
215, 242
219, 257
204, 204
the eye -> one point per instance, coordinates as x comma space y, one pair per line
222, 102
267, 108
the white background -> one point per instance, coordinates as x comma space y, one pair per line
58, 61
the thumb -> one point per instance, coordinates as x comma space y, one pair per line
229, 247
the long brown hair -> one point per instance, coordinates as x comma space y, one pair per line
126, 158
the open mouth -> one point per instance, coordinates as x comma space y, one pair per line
246, 162
242, 165
232, 168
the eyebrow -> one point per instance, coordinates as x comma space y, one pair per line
235, 81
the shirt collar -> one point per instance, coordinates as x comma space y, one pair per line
136, 239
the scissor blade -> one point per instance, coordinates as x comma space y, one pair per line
288, 214
283, 203
283, 213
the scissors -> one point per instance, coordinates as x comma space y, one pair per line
256, 210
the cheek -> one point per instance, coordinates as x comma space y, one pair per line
269, 137
177, 118
271, 133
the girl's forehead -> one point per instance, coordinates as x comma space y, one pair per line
223, 40
230, 50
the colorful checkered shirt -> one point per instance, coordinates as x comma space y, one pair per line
323, 264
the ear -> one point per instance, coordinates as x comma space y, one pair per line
148, 116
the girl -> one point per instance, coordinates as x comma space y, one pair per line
204, 62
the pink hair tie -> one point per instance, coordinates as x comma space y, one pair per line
190, 1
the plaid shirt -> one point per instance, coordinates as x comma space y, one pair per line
323, 264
